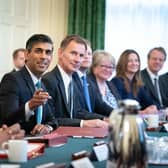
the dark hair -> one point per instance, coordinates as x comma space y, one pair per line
161, 49
38, 38
121, 69
65, 42
15, 52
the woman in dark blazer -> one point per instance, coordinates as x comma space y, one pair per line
128, 81
102, 67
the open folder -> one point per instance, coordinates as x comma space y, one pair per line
82, 132
34, 150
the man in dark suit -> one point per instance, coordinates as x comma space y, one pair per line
70, 55
19, 99
97, 105
156, 59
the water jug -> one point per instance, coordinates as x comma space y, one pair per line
127, 146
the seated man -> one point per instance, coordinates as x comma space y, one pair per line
150, 75
91, 101
61, 86
20, 100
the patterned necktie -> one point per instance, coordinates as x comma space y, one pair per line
86, 93
39, 111
70, 98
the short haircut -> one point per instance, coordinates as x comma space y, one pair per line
161, 49
15, 52
38, 38
65, 42
98, 56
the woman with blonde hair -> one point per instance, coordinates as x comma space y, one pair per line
129, 83
103, 65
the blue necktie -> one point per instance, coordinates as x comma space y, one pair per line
86, 93
39, 108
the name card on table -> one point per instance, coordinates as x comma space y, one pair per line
82, 163
99, 153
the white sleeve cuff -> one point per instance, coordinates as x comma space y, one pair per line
28, 112
81, 124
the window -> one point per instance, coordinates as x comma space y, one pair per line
136, 24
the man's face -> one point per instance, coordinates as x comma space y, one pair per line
70, 58
39, 58
156, 61
19, 61
87, 59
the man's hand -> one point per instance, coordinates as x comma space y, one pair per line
40, 129
12, 132
95, 123
39, 98
149, 110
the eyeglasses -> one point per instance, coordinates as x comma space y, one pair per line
107, 66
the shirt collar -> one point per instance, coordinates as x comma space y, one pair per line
34, 78
151, 74
66, 77
81, 74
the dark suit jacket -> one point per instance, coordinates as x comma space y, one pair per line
150, 87
111, 86
97, 104
142, 96
55, 86
163, 83
16, 89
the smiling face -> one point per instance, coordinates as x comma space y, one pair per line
156, 61
104, 70
71, 57
39, 57
103, 65
133, 64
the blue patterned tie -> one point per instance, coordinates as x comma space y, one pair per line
40, 108
86, 93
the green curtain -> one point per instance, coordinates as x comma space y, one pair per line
87, 19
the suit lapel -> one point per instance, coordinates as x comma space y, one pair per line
113, 90
61, 87
77, 80
149, 83
28, 80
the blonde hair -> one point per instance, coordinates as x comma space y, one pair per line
98, 55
